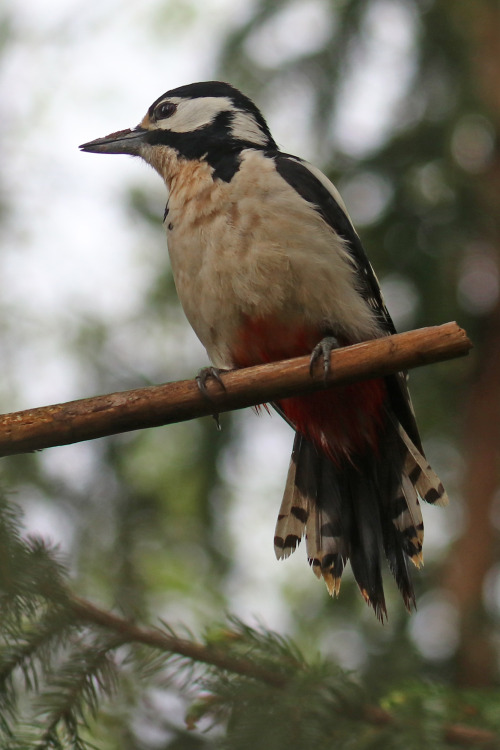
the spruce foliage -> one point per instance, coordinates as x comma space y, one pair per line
64, 664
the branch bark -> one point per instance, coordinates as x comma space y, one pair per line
90, 418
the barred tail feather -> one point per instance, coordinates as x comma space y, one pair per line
410, 522
335, 514
325, 542
424, 478
293, 514
302, 514
362, 510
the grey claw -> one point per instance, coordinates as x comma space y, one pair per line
206, 373
323, 349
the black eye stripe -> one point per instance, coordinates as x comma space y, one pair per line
164, 110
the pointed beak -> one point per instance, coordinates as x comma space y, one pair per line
121, 142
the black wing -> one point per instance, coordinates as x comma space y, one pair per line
301, 177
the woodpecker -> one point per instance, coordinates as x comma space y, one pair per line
268, 266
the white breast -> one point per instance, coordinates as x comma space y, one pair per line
254, 247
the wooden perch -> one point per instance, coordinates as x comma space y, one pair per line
90, 418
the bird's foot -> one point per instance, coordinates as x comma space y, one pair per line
201, 379
323, 349
209, 372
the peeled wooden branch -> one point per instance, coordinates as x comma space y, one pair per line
91, 418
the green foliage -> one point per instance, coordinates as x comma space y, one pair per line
62, 662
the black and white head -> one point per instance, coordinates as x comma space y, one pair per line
211, 120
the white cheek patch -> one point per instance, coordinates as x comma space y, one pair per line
193, 114
244, 127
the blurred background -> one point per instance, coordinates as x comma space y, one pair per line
399, 102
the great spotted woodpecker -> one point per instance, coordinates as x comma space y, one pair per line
268, 266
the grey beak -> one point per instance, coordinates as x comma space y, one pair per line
121, 142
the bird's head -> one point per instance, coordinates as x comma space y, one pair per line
210, 121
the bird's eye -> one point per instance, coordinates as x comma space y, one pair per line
165, 109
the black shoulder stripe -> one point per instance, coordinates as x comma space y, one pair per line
296, 173
300, 177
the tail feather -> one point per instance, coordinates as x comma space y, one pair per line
326, 547
398, 564
410, 523
366, 539
301, 514
294, 511
422, 476
360, 510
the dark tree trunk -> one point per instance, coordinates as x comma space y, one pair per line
477, 550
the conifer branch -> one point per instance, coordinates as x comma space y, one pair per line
159, 639
87, 419
454, 734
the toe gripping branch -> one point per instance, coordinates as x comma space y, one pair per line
324, 349
201, 379
209, 372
